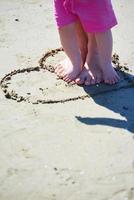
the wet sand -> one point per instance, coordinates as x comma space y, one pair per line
50, 148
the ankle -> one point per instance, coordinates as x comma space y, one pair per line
105, 65
78, 63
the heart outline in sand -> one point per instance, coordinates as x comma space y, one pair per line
81, 92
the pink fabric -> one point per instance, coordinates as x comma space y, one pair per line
95, 15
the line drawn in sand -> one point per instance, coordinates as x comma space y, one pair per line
33, 84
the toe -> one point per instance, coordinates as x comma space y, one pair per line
57, 67
61, 73
115, 80
98, 80
93, 81
67, 80
88, 81
106, 81
112, 82
80, 80
77, 80
72, 83
57, 71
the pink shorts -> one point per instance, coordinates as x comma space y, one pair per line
94, 15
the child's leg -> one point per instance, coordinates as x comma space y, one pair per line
98, 60
66, 20
82, 41
104, 45
69, 71
97, 17
74, 42
93, 59
91, 73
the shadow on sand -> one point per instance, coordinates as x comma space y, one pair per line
118, 98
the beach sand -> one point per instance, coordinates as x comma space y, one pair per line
58, 141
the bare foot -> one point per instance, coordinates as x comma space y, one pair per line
91, 73
67, 71
109, 75
96, 72
85, 77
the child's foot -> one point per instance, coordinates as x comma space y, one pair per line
96, 72
92, 73
67, 71
85, 77
109, 75
94, 66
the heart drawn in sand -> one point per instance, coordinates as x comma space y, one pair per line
40, 84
